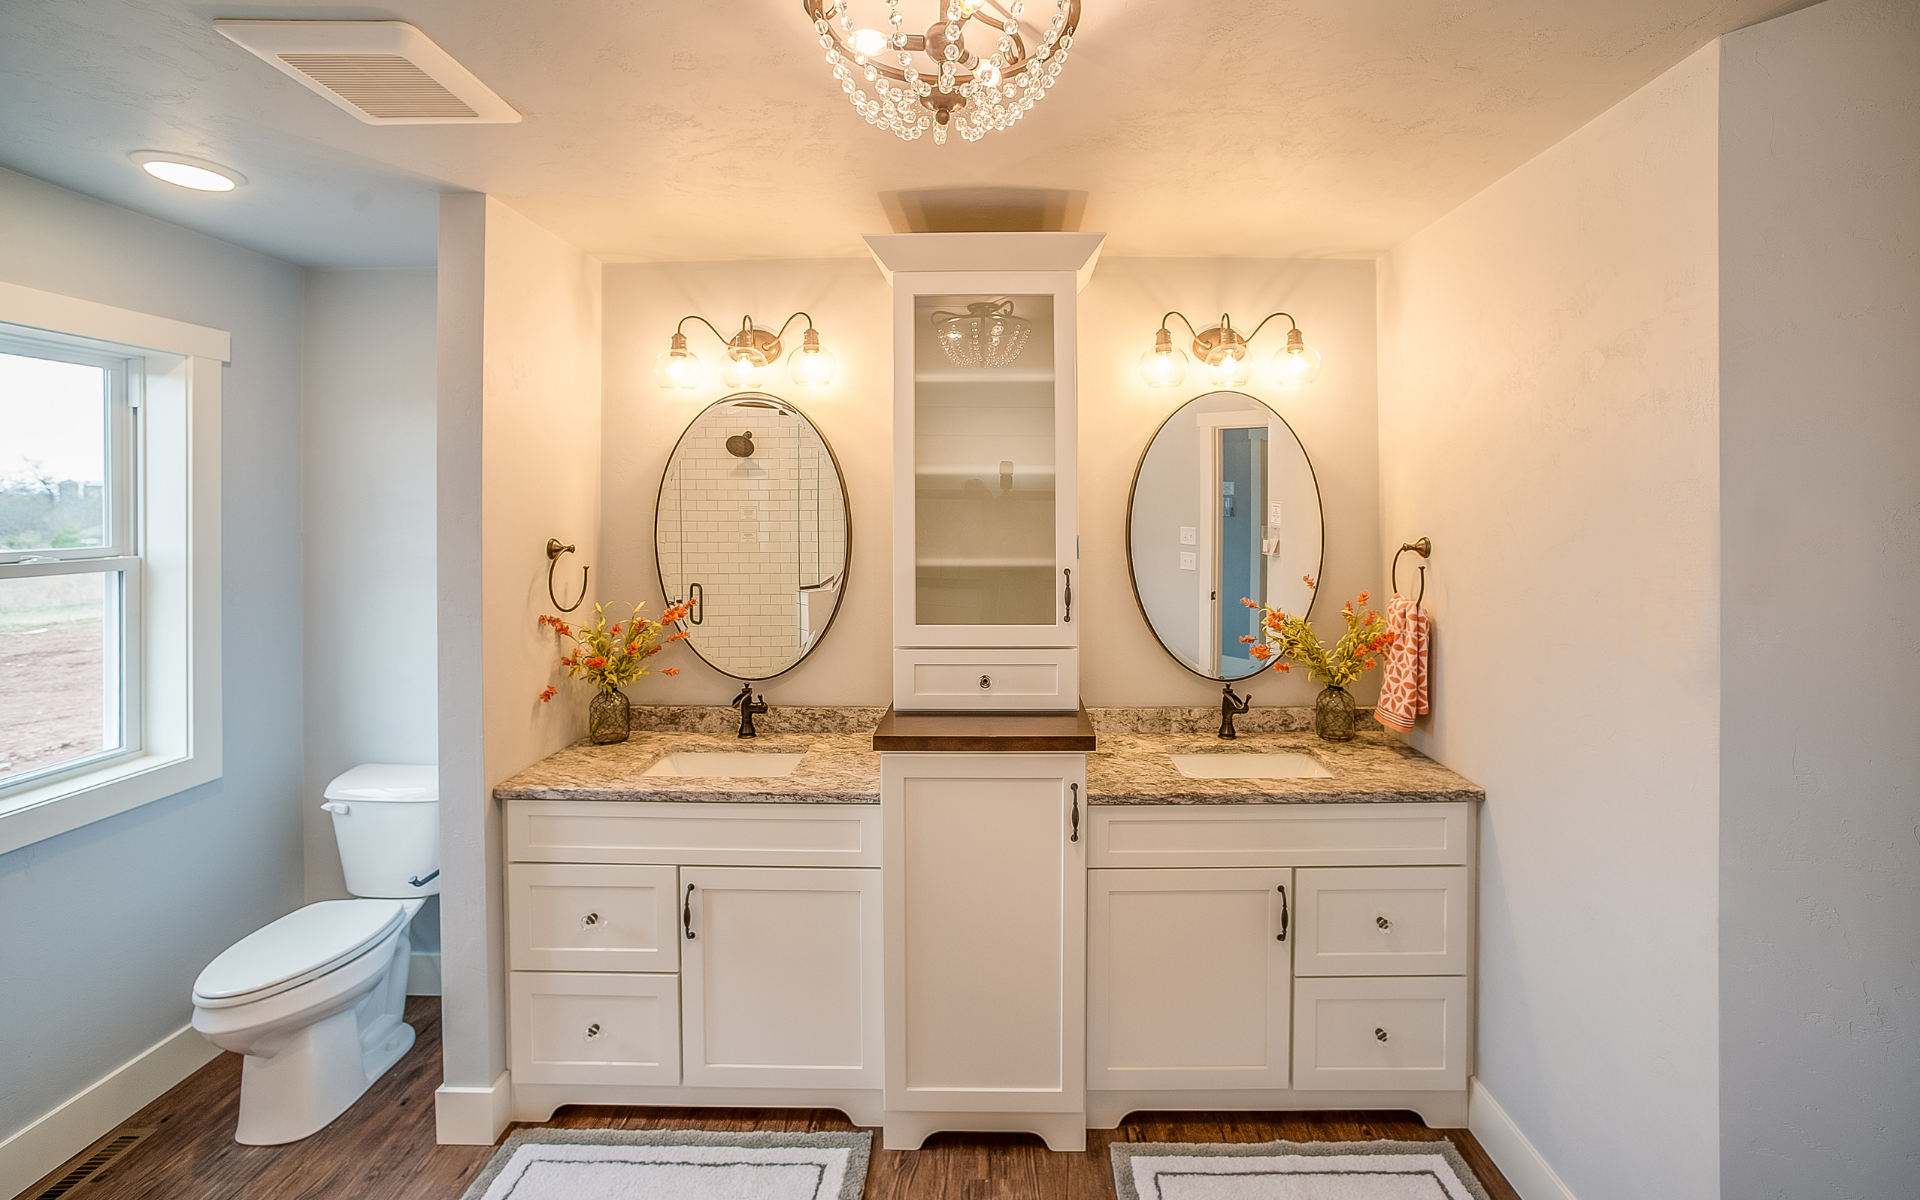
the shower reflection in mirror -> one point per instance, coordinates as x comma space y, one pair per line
752, 520
1225, 507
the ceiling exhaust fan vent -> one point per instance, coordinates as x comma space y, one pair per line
383, 72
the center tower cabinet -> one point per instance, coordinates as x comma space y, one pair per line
983, 756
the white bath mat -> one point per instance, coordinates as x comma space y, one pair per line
1293, 1171
678, 1164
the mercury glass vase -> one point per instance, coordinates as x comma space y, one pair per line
1333, 715
609, 717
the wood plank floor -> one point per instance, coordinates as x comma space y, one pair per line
383, 1147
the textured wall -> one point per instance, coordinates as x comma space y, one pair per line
103, 929
1820, 462
1548, 407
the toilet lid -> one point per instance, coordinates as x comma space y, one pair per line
302, 945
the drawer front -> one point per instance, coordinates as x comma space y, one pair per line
694, 834
1380, 1034
986, 680
592, 917
1279, 835
588, 1028
1384, 921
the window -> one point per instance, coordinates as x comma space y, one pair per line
69, 565
109, 560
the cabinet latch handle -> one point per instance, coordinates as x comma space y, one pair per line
590, 920
1076, 812
686, 913
986, 683
1283, 914
593, 1031
1383, 923
1069, 574
1379, 1035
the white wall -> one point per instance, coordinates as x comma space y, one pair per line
1548, 408
102, 930
367, 442
1820, 462
1120, 309
518, 462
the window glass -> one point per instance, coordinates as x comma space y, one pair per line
53, 454
59, 669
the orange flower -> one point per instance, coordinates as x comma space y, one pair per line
681, 636
670, 671
595, 663
1310, 582
1245, 638
1259, 651
633, 648
615, 632
549, 694
1362, 598
1248, 603
1283, 666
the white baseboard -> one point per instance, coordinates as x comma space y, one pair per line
90, 1114
423, 975
1510, 1150
473, 1116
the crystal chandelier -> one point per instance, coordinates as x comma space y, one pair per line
936, 80
986, 335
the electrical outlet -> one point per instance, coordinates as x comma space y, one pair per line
1189, 561
1189, 535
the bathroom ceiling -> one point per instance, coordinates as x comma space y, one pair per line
705, 131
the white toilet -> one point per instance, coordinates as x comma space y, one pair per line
314, 1000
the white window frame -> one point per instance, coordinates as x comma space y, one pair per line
172, 552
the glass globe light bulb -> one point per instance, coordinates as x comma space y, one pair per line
811, 365
1230, 367
677, 366
1165, 365
744, 370
868, 41
988, 75
1296, 364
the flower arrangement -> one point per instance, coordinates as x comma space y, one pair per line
1294, 643
616, 656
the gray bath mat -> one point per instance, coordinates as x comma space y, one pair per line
675, 1164
1380, 1170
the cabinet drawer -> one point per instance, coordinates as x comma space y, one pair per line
986, 680
573, 1027
694, 834
1279, 835
1383, 921
591, 917
1380, 1034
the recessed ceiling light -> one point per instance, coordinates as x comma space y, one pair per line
186, 171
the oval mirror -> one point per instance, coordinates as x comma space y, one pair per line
752, 527
1224, 506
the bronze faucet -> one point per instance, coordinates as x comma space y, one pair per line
748, 706
1230, 706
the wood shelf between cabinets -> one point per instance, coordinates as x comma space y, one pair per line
984, 733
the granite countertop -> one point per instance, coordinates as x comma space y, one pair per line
1128, 766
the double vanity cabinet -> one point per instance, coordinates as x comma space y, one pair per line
1039, 941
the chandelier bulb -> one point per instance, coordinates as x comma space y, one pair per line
1296, 364
1165, 365
812, 365
677, 366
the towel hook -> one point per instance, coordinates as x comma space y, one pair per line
554, 551
1424, 548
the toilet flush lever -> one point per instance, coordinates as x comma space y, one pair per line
416, 881
334, 806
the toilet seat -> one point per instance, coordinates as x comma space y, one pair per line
298, 948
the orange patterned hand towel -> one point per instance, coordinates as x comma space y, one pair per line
1403, 683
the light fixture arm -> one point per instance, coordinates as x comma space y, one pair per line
1191, 331
1263, 323
679, 330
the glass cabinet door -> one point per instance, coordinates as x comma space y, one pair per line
986, 508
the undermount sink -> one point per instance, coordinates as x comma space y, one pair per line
738, 764
1250, 766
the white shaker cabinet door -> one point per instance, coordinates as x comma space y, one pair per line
1187, 981
986, 933
780, 977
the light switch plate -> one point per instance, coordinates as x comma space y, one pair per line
1189, 561
1189, 535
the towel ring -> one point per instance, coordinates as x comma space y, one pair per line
554, 551
1424, 548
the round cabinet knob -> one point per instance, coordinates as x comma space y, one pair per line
1383, 923
590, 920
986, 683
1379, 1035
593, 1031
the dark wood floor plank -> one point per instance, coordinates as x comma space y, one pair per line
383, 1148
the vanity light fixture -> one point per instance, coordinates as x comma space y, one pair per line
187, 172
1227, 355
749, 354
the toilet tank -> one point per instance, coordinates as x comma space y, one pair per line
386, 821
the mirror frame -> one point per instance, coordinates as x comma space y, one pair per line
1133, 579
768, 399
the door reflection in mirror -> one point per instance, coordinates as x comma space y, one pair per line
1224, 508
762, 537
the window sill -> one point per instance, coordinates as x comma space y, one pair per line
67, 803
